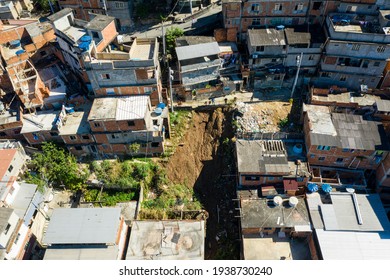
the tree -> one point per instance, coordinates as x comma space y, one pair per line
134, 148
43, 4
170, 37
59, 167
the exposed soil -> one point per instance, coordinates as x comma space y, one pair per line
205, 162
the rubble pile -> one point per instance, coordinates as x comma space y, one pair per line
251, 120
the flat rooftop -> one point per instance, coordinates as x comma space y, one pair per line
266, 37
41, 121
346, 97
142, 49
197, 51
262, 213
166, 240
74, 33
272, 247
10, 116
261, 156
340, 213
99, 22
26, 199
83, 226
119, 108
77, 253
77, 122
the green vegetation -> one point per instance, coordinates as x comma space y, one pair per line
43, 4
142, 10
58, 167
109, 197
170, 37
32, 178
134, 148
168, 199
283, 122
129, 174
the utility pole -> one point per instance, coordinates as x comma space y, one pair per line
299, 61
170, 77
191, 6
163, 39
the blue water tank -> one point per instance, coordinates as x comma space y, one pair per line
326, 188
312, 187
158, 111
85, 41
15, 43
19, 52
161, 105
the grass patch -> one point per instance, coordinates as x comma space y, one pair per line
109, 197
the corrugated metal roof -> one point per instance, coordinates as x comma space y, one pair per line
132, 108
383, 105
119, 108
26, 201
199, 50
266, 37
83, 226
344, 245
296, 37
261, 156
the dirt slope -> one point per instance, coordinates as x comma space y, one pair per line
206, 164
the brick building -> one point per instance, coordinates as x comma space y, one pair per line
343, 140
122, 10
117, 122
77, 38
121, 69
270, 162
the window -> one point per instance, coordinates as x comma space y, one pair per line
355, 47
95, 34
277, 78
85, 137
267, 228
17, 238
361, 80
260, 48
78, 148
3, 134
377, 63
35, 136
72, 137
278, 7
256, 21
365, 64
321, 158
317, 5
93, 149
43, 53
7, 228
144, 145
114, 136
110, 91
10, 168
105, 76
11, 191
54, 134
326, 75
323, 148
155, 144
119, 5
255, 8
299, 7
339, 160
300, 179
96, 124
131, 123
270, 178
311, 57
155, 122
252, 178
381, 49
345, 150
343, 78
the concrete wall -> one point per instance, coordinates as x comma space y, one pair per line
123, 11
362, 9
383, 173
